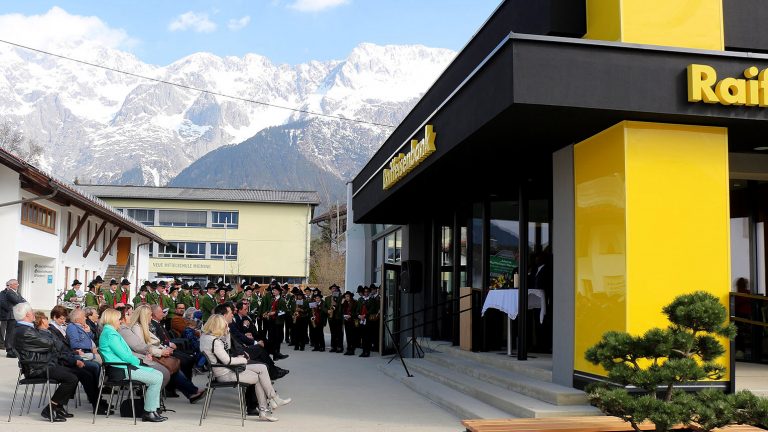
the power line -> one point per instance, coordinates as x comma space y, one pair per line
184, 86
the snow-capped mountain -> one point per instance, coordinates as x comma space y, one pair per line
100, 126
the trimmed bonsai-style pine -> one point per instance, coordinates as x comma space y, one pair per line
646, 370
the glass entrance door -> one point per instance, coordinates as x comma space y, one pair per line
391, 287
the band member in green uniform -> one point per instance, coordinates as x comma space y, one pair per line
367, 314
208, 302
75, 295
173, 298
291, 304
142, 298
194, 298
299, 313
335, 320
152, 294
97, 281
317, 322
348, 311
163, 299
275, 312
122, 294
109, 293
91, 296
185, 295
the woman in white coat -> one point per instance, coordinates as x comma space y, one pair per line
215, 343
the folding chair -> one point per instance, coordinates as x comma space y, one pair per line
26, 382
115, 377
213, 385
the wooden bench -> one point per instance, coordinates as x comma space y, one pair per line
569, 424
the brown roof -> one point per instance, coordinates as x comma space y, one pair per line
42, 183
204, 194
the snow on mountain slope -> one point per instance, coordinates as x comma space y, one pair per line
106, 127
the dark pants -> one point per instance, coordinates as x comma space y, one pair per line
89, 378
366, 337
274, 334
351, 333
337, 333
67, 384
288, 326
181, 382
317, 337
251, 401
373, 334
299, 333
6, 333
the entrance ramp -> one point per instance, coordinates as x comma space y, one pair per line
490, 385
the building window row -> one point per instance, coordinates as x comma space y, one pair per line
195, 250
39, 217
184, 218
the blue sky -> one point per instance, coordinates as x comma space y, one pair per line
286, 31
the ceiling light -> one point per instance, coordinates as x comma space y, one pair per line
761, 148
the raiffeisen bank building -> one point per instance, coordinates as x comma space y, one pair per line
599, 156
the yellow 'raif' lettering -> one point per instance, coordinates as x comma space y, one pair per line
703, 86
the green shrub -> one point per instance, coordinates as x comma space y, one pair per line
654, 363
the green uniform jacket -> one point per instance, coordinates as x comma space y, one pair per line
68, 296
109, 296
371, 308
152, 297
328, 302
137, 300
282, 306
207, 304
91, 300
266, 303
185, 298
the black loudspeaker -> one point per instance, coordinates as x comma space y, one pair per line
410, 276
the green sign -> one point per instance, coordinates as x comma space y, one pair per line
501, 265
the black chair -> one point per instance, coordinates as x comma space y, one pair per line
214, 384
114, 377
26, 382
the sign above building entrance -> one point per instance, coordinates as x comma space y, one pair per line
751, 90
403, 163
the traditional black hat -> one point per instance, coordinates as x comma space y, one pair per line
307, 289
125, 282
374, 287
317, 294
76, 282
98, 279
113, 281
334, 286
153, 284
91, 286
296, 291
350, 294
176, 282
173, 288
359, 289
366, 288
196, 286
221, 288
147, 284
210, 285
143, 288
161, 283
247, 288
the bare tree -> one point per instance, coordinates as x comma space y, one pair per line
327, 265
12, 140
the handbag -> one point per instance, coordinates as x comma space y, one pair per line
171, 363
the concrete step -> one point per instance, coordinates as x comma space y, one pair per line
511, 402
457, 403
514, 381
539, 368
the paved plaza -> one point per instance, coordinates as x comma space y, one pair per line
331, 392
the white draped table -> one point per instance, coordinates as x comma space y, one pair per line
507, 300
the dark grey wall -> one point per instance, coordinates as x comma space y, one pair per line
563, 247
744, 25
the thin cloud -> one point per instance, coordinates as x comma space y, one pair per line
316, 5
197, 22
239, 23
57, 27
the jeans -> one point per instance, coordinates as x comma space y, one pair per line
154, 381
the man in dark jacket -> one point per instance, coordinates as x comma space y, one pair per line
34, 350
9, 298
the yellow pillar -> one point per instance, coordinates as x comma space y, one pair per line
652, 222
680, 23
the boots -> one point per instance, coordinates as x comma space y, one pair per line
276, 402
266, 415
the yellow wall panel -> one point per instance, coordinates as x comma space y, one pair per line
600, 278
680, 23
652, 222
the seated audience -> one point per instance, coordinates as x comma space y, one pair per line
114, 349
260, 395
32, 345
92, 319
80, 335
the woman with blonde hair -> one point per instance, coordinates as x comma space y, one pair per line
114, 350
139, 337
215, 343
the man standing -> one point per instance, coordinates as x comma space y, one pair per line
367, 310
318, 319
193, 300
208, 302
75, 294
335, 319
109, 294
274, 313
9, 298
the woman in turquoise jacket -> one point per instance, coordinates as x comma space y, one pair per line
113, 348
